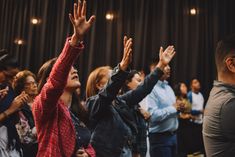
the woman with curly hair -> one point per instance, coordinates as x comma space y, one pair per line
25, 81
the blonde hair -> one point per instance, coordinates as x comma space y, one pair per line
94, 78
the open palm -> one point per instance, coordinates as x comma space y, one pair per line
167, 55
127, 54
79, 21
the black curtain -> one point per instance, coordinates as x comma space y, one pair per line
151, 24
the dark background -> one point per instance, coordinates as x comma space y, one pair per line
151, 24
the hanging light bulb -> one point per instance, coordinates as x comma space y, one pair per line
35, 21
193, 11
19, 41
109, 16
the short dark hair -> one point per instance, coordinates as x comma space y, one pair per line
192, 79
125, 87
224, 48
177, 90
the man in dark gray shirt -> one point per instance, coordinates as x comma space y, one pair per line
219, 116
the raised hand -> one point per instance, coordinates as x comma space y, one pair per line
79, 21
165, 56
127, 54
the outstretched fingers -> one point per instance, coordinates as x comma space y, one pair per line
129, 50
91, 20
167, 55
79, 8
75, 7
127, 54
172, 54
161, 51
169, 49
127, 46
124, 41
83, 11
71, 19
129, 42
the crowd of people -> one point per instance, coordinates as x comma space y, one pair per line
124, 114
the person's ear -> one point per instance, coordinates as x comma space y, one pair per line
230, 64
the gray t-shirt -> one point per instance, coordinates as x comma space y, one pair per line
219, 121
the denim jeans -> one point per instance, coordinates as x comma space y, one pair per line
163, 145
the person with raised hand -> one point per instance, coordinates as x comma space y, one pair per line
60, 133
110, 119
163, 108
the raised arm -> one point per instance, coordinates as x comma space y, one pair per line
98, 104
57, 79
119, 73
133, 97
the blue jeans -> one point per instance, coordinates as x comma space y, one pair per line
163, 145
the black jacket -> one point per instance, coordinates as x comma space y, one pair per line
110, 118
